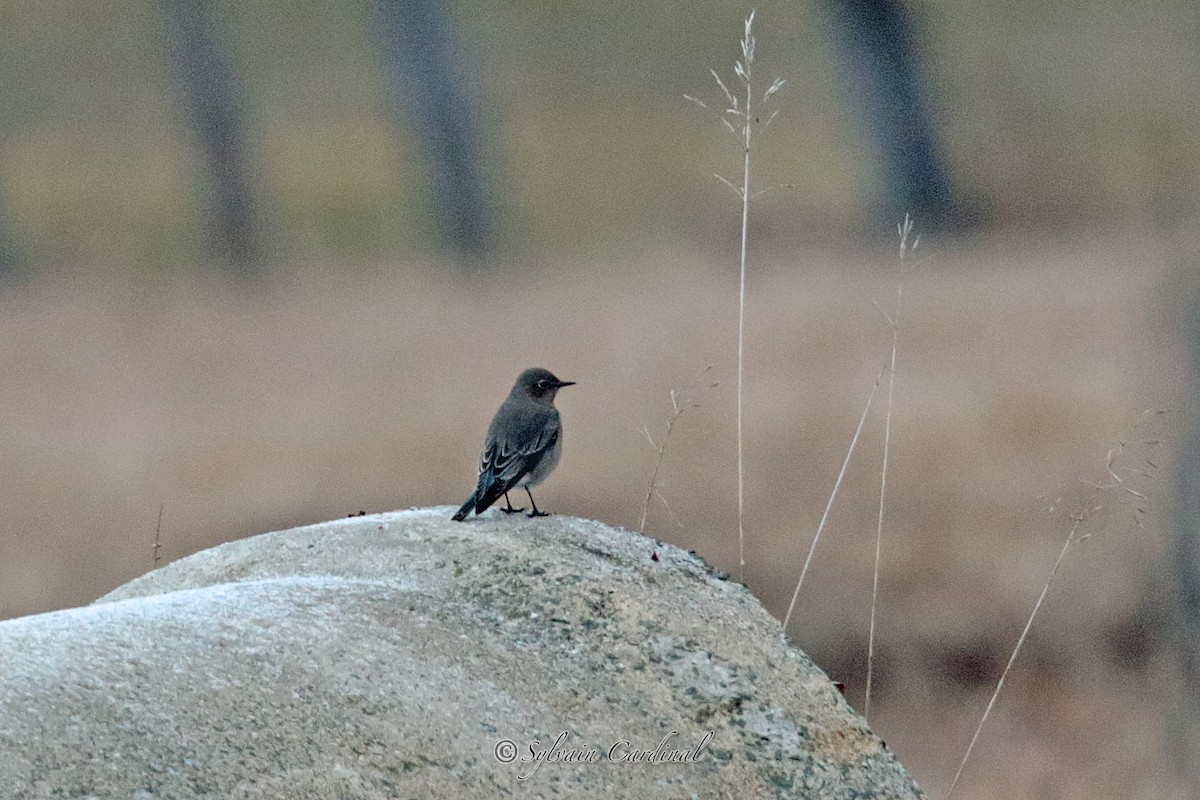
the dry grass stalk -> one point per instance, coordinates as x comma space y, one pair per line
158, 538
906, 249
740, 120
1090, 508
679, 404
832, 496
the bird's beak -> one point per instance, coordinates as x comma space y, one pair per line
565, 383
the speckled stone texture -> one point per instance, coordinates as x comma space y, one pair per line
395, 655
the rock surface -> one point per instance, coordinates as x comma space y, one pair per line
400, 655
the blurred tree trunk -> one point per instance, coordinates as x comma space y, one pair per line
210, 91
429, 87
876, 41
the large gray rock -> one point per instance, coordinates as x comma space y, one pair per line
394, 656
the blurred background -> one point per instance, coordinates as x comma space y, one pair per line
264, 264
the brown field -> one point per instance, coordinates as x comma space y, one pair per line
1021, 365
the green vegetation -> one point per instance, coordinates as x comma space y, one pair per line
1057, 116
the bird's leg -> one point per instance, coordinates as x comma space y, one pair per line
508, 506
535, 512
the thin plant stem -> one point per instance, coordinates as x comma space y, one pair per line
678, 406
738, 119
904, 229
157, 537
1092, 506
661, 450
832, 496
747, 52
1078, 520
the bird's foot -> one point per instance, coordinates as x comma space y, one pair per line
536, 513
508, 506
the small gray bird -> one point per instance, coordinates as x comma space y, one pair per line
523, 445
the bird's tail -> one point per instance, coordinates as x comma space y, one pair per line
467, 508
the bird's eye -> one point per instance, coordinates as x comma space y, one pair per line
541, 385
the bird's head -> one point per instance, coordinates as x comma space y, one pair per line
540, 384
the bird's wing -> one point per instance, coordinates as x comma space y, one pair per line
514, 450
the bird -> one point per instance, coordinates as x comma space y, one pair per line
523, 444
